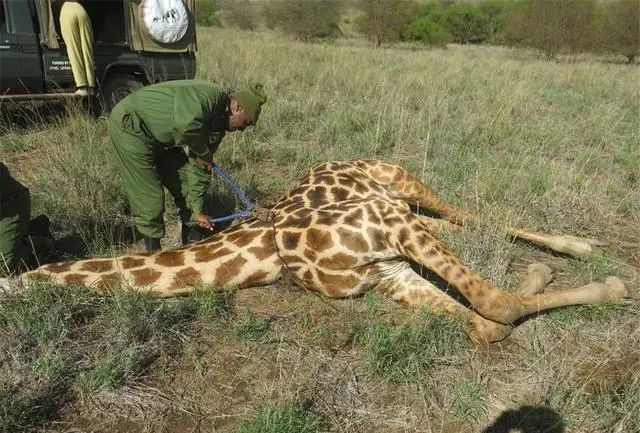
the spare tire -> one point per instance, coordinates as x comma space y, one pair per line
167, 21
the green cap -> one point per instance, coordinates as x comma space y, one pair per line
251, 99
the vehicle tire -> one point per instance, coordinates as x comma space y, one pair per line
117, 87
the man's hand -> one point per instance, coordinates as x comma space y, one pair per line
203, 221
205, 161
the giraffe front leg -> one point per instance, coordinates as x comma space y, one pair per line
400, 283
566, 244
437, 226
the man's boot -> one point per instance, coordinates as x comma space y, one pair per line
191, 235
152, 244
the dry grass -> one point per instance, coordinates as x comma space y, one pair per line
517, 139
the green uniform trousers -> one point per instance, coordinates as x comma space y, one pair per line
145, 167
15, 209
75, 26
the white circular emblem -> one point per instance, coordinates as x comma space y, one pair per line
166, 21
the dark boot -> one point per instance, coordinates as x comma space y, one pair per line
191, 235
152, 244
40, 226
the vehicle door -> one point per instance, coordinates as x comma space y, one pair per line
20, 61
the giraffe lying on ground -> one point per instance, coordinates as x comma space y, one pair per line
345, 228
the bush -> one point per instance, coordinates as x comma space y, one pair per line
207, 13
384, 20
240, 13
304, 20
620, 31
552, 27
466, 23
424, 29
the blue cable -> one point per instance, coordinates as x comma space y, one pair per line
246, 212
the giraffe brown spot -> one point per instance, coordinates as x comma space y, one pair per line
58, 268
145, 277
255, 279
228, 270
308, 276
361, 188
74, 278
97, 265
403, 235
187, 277
353, 240
317, 197
169, 258
294, 206
319, 240
325, 179
267, 247
337, 166
290, 240
339, 194
109, 281
392, 220
354, 219
458, 274
429, 251
131, 262
325, 219
333, 285
346, 181
338, 261
371, 214
209, 254
293, 259
378, 238
300, 220
242, 238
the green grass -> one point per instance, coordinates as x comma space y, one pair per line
252, 328
62, 343
281, 418
407, 352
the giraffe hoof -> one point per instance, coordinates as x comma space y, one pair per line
618, 290
485, 331
541, 268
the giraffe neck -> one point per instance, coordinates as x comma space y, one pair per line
241, 256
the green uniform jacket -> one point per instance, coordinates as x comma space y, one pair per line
182, 112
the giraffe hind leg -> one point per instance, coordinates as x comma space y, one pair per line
403, 185
403, 285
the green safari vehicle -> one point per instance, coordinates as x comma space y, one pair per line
136, 42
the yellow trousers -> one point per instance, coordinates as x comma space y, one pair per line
78, 37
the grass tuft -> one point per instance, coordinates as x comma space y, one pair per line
281, 418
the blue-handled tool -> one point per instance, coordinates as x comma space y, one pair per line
249, 209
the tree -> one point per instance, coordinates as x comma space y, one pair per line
385, 20
620, 32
